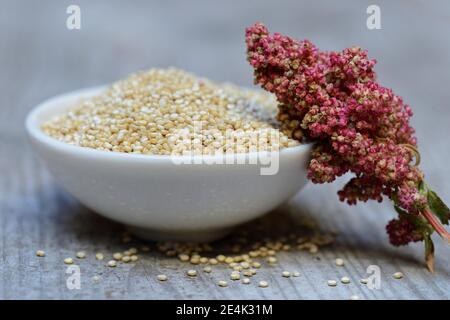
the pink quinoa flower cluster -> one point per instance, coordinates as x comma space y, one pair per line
358, 126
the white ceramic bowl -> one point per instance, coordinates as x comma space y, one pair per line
157, 198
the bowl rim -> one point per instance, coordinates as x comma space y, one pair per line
33, 128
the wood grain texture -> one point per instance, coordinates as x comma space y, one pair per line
39, 58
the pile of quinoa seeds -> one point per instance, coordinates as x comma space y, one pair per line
172, 112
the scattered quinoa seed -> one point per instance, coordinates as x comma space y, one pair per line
263, 284
286, 274
332, 283
271, 260
339, 262
161, 277
229, 260
364, 281
246, 281
126, 259
184, 257
112, 263
40, 253
117, 256
191, 273
134, 258
248, 273
207, 269
235, 275
345, 280
81, 254
99, 256
222, 283
397, 275
313, 248
68, 260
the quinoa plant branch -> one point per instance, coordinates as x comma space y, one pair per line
358, 126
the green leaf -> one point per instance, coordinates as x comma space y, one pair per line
438, 207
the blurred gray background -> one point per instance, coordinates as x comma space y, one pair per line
40, 57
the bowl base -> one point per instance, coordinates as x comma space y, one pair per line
182, 236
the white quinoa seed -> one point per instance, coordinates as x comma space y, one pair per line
235, 275
126, 259
332, 283
286, 274
117, 256
222, 283
207, 269
40, 253
134, 258
263, 284
313, 249
96, 278
364, 281
272, 260
271, 252
81, 254
161, 277
191, 273
99, 256
68, 260
345, 280
112, 263
248, 273
229, 260
339, 262
398, 275
184, 257
246, 281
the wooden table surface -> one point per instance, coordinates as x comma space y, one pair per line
39, 58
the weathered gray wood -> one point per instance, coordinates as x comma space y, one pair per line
39, 58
